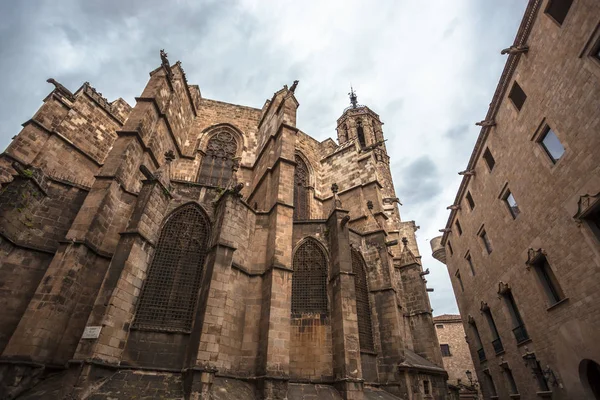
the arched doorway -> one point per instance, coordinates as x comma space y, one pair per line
589, 374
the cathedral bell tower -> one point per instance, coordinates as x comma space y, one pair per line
360, 123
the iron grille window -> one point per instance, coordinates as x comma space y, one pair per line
301, 182
496, 342
548, 281
363, 306
518, 325
219, 160
309, 282
170, 292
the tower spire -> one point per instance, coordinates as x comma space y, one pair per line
353, 97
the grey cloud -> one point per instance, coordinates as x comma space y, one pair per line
457, 132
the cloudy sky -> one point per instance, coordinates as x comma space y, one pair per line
429, 68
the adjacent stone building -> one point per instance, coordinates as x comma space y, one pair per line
456, 355
189, 248
522, 243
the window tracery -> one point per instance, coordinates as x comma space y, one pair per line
301, 190
309, 281
363, 305
219, 160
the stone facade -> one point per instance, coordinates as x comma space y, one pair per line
455, 354
522, 244
186, 247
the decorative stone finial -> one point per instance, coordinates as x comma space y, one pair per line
353, 97
294, 86
405, 241
334, 188
169, 156
370, 205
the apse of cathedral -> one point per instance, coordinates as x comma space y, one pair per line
189, 248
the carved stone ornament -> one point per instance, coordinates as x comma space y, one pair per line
503, 288
585, 204
534, 256
484, 307
471, 320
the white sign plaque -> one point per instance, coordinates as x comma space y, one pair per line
91, 332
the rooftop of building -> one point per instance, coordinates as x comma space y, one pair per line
447, 318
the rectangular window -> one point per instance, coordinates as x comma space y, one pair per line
450, 248
511, 203
486, 241
490, 383
426, 388
462, 288
548, 281
489, 159
470, 261
512, 385
593, 221
518, 326
458, 228
496, 341
517, 95
440, 326
558, 9
470, 200
445, 348
478, 342
552, 145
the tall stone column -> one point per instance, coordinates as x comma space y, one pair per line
347, 367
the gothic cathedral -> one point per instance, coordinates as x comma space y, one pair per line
190, 248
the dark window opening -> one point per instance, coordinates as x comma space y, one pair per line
309, 281
489, 159
363, 305
486, 241
426, 389
552, 145
478, 342
558, 9
548, 281
540, 378
440, 326
470, 200
301, 190
496, 341
445, 349
219, 161
519, 330
470, 261
169, 295
512, 205
593, 221
458, 228
450, 248
361, 134
490, 383
462, 288
512, 384
517, 95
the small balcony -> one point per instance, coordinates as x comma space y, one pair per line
481, 354
497, 344
520, 334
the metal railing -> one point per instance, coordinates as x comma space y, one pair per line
498, 348
481, 354
521, 333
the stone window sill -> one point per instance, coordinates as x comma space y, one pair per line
500, 353
545, 394
528, 340
514, 396
555, 305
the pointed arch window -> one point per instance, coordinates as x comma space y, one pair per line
363, 305
169, 295
301, 192
219, 160
309, 281
361, 133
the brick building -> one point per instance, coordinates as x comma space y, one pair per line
522, 243
186, 246
455, 354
